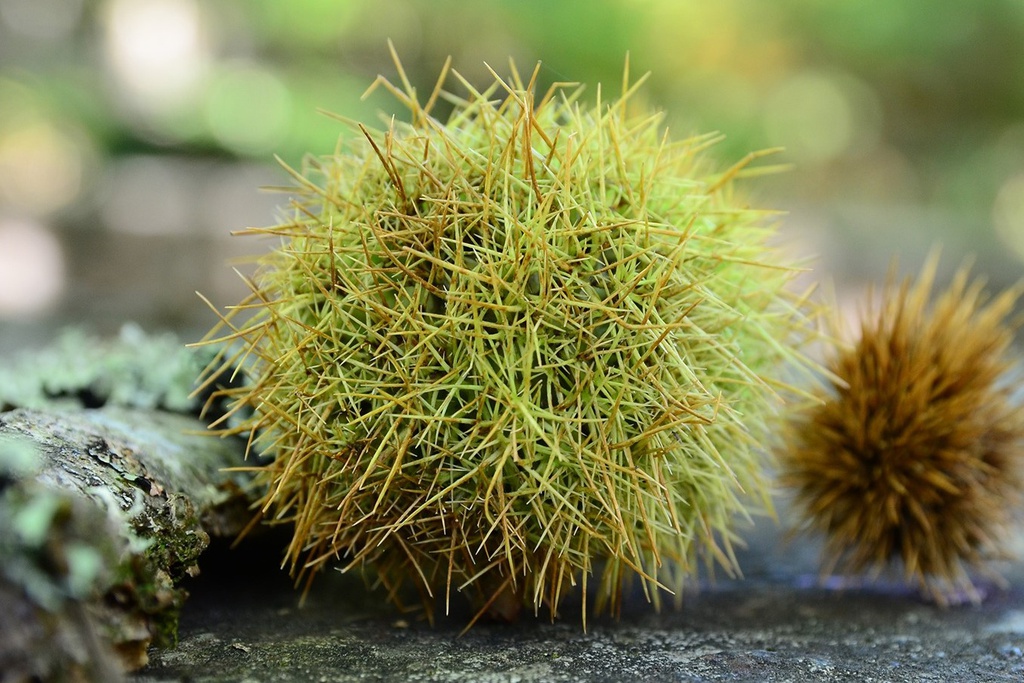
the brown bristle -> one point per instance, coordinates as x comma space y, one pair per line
914, 454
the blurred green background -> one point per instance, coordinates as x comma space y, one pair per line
135, 134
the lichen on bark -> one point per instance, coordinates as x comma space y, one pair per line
108, 495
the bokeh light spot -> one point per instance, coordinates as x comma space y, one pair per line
157, 49
247, 108
31, 268
40, 169
811, 117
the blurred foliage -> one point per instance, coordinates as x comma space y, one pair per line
910, 102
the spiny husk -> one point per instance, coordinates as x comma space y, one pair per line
915, 454
489, 354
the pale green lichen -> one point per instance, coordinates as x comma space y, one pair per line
135, 369
18, 456
56, 545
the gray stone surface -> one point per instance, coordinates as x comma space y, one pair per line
243, 623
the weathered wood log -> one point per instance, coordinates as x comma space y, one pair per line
109, 493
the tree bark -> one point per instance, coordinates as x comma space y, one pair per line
103, 511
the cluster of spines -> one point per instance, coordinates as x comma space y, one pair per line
490, 353
914, 456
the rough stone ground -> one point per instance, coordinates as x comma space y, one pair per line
243, 623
